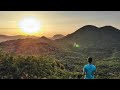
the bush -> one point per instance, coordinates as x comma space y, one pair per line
32, 67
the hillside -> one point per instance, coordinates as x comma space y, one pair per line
93, 41
29, 46
88, 40
71, 51
6, 38
57, 36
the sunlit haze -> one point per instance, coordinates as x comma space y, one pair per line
30, 25
49, 23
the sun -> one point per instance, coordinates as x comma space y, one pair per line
30, 25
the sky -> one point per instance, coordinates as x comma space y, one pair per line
57, 22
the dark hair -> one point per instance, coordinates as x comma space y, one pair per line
89, 59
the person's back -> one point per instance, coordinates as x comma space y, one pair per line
89, 70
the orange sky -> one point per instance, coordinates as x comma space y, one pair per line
57, 22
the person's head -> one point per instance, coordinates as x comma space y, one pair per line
89, 59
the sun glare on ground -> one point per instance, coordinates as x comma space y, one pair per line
30, 25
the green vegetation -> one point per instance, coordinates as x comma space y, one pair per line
33, 67
107, 67
62, 65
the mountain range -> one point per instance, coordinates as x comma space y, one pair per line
88, 40
7, 38
92, 36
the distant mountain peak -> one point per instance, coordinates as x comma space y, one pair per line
57, 36
108, 27
95, 27
89, 27
86, 29
3, 35
43, 37
92, 28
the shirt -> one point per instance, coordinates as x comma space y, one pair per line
89, 69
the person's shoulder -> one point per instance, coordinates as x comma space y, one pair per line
85, 65
93, 65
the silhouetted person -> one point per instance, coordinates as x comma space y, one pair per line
89, 69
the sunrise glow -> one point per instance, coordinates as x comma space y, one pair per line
30, 25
